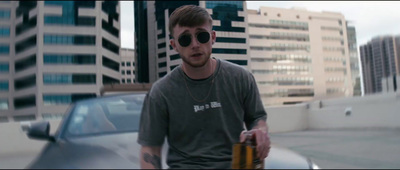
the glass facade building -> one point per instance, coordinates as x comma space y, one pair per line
61, 52
155, 57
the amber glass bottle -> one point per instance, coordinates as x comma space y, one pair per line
244, 155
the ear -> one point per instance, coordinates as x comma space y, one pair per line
172, 42
213, 36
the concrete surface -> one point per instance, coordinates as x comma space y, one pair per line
345, 149
329, 149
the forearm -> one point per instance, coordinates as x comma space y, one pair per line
262, 125
150, 157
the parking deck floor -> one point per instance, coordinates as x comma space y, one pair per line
331, 149
345, 149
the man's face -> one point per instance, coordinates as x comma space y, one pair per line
197, 53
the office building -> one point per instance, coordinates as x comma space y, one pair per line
354, 59
380, 58
155, 57
299, 55
58, 52
127, 66
5, 60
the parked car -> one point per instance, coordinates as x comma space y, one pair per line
101, 133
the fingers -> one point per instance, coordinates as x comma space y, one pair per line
242, 136
262, 142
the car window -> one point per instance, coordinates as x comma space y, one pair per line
106, 115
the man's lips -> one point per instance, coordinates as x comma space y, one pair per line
196, 55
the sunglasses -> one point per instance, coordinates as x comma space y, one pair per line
185, 39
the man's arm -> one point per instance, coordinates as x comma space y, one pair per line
150, 157
260, 133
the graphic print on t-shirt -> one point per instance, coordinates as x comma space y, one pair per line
212, 105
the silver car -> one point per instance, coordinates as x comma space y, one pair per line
101, 133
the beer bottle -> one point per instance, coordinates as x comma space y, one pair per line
244, 155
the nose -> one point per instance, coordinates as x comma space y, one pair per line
195, 43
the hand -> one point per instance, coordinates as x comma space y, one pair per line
262, 141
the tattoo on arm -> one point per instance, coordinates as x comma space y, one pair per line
154, 160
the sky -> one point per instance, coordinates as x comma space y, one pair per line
370, 18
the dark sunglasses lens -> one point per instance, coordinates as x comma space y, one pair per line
185, 40
203, 37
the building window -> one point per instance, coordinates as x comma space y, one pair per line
128, 81
237, 5
4, 49
128, 64
52, 116
122, 63
162, 55
239, 62
49, 79
123, 72
70, 13
265, 14
128, 72
25, 44
60, 20
24, 8
279, 15
4, 68
228, 51
163, 64
4, 31
25, 82
162, 74
69, 39
110, 46
4, 86
23, 102
113, 65
161, 45
109, 80
174, 57
78, 59
5, 14
3, 104
231, 40
110, 28
123, 80
24, 118
25, 63
65, 99
26, 25
172, 67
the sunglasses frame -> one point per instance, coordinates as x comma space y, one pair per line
191, 36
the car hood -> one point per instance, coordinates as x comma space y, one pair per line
121, 151
114, 151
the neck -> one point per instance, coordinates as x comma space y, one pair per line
200, 72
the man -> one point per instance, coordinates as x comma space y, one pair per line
202, 104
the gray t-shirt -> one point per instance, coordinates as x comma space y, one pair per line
200, 134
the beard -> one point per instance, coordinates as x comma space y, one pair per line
196, 63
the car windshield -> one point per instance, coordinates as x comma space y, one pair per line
105, 115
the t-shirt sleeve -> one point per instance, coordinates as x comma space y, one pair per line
253, 106
153, 122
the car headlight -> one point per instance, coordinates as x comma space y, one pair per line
314, 166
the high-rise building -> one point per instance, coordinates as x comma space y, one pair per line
5, 60
127, 65
155, 57
57, 52
354, 59
380, 59
299, 55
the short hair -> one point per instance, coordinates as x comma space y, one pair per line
188, 16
